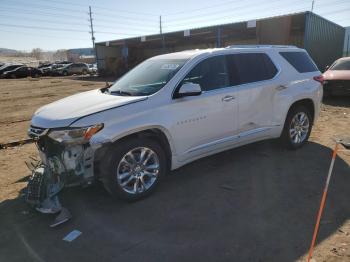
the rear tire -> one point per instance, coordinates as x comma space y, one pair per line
126, 175
65, 73
297, 127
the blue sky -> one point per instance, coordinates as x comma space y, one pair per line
61, 24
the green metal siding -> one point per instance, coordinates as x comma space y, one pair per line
323, 40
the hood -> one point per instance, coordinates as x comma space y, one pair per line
64, 112
337, 75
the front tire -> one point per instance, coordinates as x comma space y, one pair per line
297, 127
133, 168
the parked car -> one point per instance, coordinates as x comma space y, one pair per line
50, 70
44, 65
71, 69
337, 78
23, 71
92, 69
8, 67
173, 109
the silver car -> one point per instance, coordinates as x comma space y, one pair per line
71, 69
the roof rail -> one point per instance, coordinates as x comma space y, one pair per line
261, 46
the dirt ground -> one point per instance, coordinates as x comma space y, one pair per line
254, 203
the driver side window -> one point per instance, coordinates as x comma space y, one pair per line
210, 74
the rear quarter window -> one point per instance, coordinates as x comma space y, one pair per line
301, 61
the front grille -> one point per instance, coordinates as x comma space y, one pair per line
35, 132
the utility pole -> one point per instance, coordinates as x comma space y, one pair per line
160, 25
312, 6
347, 45
92, 31
161, 32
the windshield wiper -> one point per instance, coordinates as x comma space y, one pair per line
120, 92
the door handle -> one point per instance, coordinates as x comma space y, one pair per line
227, 98
281, 87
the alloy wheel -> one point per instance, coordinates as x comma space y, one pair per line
299, 128
138, 170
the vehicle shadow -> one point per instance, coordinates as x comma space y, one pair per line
254, 203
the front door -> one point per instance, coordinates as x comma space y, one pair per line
207, 122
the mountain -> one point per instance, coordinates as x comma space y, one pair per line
6, 51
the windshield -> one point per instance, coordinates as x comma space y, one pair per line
148, 77
341, 65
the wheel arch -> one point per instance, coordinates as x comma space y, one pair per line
154, 132
307, 102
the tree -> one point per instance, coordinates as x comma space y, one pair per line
37, 53
60, 55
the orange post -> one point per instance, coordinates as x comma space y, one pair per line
323, 201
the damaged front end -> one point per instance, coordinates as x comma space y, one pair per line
66, 159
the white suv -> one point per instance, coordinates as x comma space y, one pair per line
173, 109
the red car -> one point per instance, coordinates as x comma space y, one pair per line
337, 78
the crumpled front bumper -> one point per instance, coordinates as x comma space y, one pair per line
60, 165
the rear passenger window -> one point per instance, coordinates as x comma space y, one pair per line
250, 67
209, 74
300, 61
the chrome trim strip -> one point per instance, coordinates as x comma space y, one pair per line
228, 139
254, 131
219, 141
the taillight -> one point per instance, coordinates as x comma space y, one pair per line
319, 78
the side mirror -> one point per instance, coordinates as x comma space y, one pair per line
108, 85
189, 89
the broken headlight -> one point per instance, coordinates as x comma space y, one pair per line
75, 135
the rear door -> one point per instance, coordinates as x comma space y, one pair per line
254, 74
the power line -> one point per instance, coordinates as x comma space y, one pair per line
223, 21
139, 21
43, 28
42, 36
60, 29
72, 17
50, 8
127, 27
202, 8
42, 20
97, 7
231, 11
35, 12
122, 16
337, 11
47, 7
204, 17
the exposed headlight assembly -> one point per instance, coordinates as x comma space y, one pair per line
75, 135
